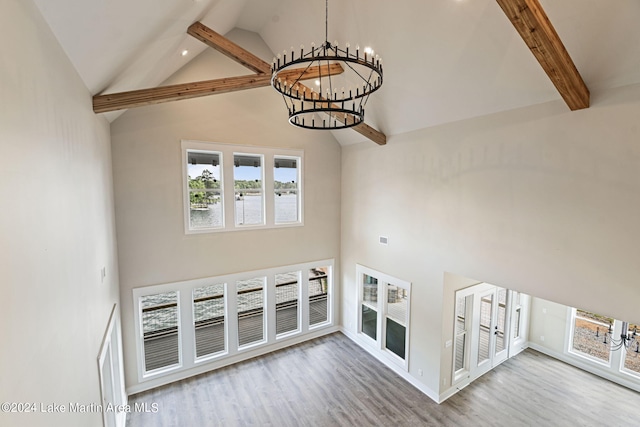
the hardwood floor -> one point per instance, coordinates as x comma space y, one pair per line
331, 381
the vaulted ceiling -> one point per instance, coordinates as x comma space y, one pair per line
445, 60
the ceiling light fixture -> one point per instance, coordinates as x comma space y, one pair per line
185, 52
628, 339
344, 79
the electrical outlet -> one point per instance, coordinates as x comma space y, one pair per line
541, 337
420, 372
103, 273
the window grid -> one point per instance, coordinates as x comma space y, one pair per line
228, 315
383, 313
230, 187
589, 339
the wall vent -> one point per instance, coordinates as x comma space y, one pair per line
384, 240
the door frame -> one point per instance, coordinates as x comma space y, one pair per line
111, 375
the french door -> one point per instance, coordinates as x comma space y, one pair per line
490, 326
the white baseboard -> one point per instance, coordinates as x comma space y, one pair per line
586, 366
404, 374
217, 364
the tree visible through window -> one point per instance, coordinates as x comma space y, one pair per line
231, 187
205, 190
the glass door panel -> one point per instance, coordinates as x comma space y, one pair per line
369, 307
486, 315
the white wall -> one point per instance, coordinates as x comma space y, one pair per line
56, 226
540, 200
153, 247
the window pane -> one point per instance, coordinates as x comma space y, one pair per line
397, 301
208, 312
160, 330
461, 332
486, 305
461, 312
395, 339
318, 295
589, 334
287, 302
517, 296
460, 342
369, 321
516, 324
632, 356
285, 183
248, 189
501, 320
205, 189
250, 310
370, 290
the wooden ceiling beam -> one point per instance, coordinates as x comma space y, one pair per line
228, 48
139, 98
363, 128
533, 25
309, 73
157, 95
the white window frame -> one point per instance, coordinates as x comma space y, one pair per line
379, 344
266, 315
330, 297
262, 190
299, 314
227, 192
615, 366
224, 352
143, 374
298, 160
469, 294
233, 352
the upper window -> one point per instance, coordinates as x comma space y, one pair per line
248, 188
231, 187
204, 187
285, 187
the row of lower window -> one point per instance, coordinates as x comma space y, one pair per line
185, 324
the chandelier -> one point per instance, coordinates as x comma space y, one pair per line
627, 339
341, 82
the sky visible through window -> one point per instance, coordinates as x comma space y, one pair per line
246, 172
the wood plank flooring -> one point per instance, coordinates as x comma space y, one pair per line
331, 381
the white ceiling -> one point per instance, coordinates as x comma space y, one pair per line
445, 60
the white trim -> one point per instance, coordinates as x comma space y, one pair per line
227, 152
612, 370
222, 362
379, 344
192, 365
583, 363
113, 337
394, 367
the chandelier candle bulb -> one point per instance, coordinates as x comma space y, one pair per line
327, 62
